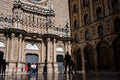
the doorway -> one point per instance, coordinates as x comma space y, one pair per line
60, 63
31, 59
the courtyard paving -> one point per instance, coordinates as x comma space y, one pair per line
75, 76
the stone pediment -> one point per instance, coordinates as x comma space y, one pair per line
34, 9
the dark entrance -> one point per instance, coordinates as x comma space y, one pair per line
104, 56
60, 63
116, 46
78, 61
1, 59
89, 57
31, 59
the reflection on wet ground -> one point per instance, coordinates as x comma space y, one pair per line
76, 76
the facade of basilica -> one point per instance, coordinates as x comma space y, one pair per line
95, 28
34, 31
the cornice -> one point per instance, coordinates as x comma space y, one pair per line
33, 9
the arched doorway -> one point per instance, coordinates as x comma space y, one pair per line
30, 59
116, 47
103, 56
89, 57
78, 60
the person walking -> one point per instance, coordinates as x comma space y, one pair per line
67, 61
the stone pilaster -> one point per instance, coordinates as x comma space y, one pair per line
69, 47
12, 43
95, 60
20, 53
7, 51
83, 60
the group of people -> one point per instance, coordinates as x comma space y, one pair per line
31, 68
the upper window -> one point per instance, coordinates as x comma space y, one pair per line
74, 8
85, 2
87, 35
115, 5
100, 30
117, 24
99, 12
75, 24
2, 44
76, 38
86, 19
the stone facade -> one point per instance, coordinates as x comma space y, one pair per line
95, 30
37, 28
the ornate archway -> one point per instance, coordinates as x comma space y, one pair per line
116, 47
104, 56
89, 57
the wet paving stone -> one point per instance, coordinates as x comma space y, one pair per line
77, 76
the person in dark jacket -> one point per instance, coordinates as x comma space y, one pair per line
67, 61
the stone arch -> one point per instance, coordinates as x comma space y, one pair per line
104, 56
32, 46
2, 44
116, 49
77, 59
89, 57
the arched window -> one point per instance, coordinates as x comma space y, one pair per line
99, 13
59, 49
76, 38
74, 8
75, 24
115, 5
117, 24
87, 35
100, 30
85, 2
32, 46
2, 44
86, 19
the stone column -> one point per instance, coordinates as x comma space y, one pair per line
20, 53
65, 47
95, 60
83, 60
69, 47
42, 57
11, 65
42, 52
54, 50
48, 49
7, 51
22, 56
12, 43
48, 54
54, 65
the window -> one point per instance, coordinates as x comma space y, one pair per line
99, 12
117, 24
87, 35
74, 8
86, 19
85, 2
76, 38
100, 30
115, 5
75, 24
